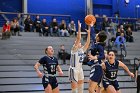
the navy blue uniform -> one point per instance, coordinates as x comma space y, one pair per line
138, 78
49, 67
96, 69
110, 75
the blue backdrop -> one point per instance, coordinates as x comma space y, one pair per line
75, 8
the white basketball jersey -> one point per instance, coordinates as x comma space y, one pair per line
77, 58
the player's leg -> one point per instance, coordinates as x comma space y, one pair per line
46, 84
48, 89
54, 83
74, 87
101, 88
73, 77
116, 86
103, 91
107, 84
80, 81
95, 77
56, 90
92, 86
98, 89
80, 86
111, 89
118, 91
138, 84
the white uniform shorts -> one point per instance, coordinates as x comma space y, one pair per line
75, 74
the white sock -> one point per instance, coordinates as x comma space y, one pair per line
80, 88
75, 90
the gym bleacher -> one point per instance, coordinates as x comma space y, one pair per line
19, 54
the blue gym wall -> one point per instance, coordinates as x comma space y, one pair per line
128, 10
11, 5
75, 8
102, 7
109, 7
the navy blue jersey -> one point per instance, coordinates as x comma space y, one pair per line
111, 70
138, 69
49, 64
97, 50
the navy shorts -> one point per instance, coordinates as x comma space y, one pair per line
50, 80
114, 83
96, 73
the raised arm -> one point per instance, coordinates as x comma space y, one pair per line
36, 67
98, 57
125, 68
88, 40
78, 38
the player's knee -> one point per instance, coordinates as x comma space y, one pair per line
74, 85
80, 82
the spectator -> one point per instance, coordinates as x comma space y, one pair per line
129, 37
72, 28
45, 28
122, 29
62, 54
118, 33
15, 28
6, 30
105, 25
37, 24
113, 27
120, 42
54, 28
28, 24
63, 29
19, 19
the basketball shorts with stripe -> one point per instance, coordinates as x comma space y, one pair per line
75, 74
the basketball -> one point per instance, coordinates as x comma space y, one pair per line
89, 19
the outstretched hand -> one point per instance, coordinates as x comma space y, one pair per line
92, 24
132, 75
88, 30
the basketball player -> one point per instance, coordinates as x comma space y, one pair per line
95, 56
100, 88
110, 68
76, 75
137, 79
50, 65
